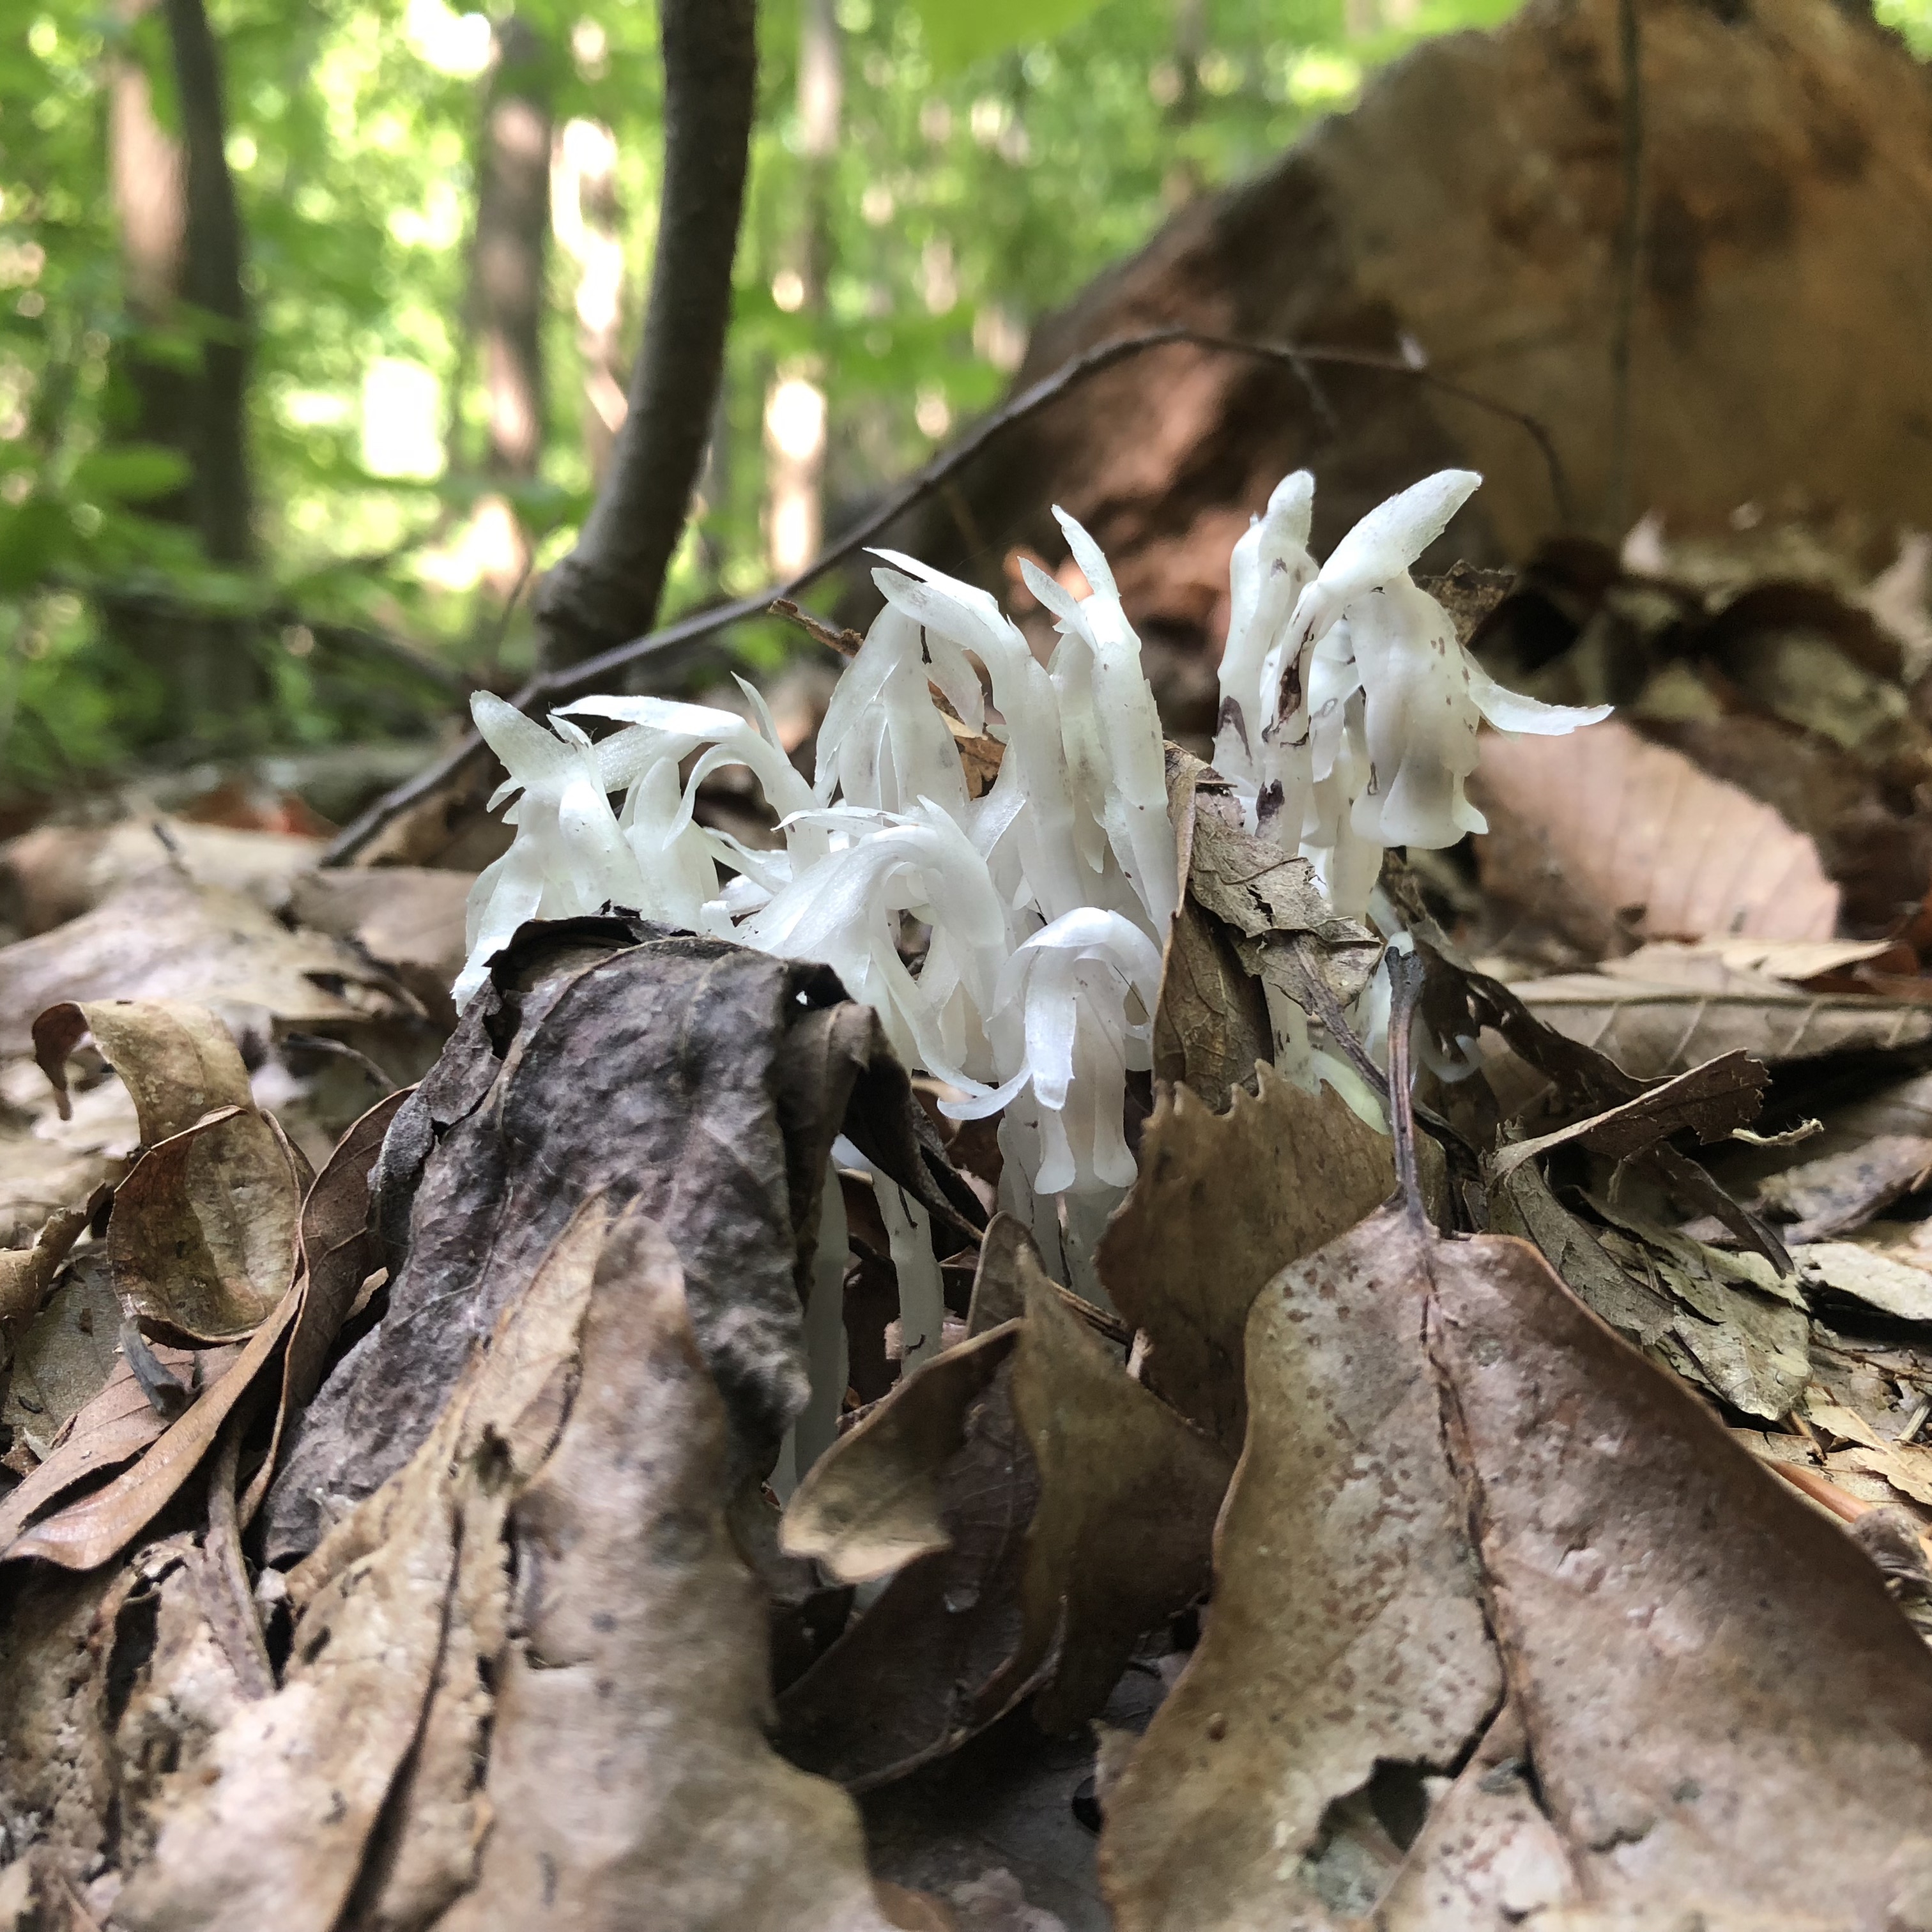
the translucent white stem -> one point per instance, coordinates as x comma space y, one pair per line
922, 1299
1086, 1216
825, 1330
784, 1477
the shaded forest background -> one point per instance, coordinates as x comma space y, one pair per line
317, 318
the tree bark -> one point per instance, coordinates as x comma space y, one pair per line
512, 235
795, 421
608, 589
181, 243
211, 281
588, 222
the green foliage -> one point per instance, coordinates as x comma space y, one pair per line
958, 36
994, 157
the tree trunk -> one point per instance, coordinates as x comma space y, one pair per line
182, 242
795, 412
608, 589
588, 221
507, 264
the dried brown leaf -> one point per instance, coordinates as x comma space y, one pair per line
58, 872
1284, 930
1882, 1283
1574, 1526
997, 1294
1635, 1306
26, 1274
1739, 1328
707, 1080
1210, 1022
1709, 1100
67, 1354
1652, 1031
1637, 830
635, 1601
870, 1504
1838, 1192
202, 1242
408, 919
271, 1824
1223, 1201
932, 1661
164, 937
39, 1178
176, 1060
1347, 1623
1128, 1493
88, 1532
57, 1648
111, 1430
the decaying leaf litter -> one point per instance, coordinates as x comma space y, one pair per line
1533, 1535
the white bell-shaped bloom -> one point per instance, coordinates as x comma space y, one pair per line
569, 855
1074, 1013
1270, 569
845, 909
882, 744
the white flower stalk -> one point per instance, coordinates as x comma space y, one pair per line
1075, 1013
1269, 571
1369, 706
1025, 825
569, 855
1109, 725
882, 744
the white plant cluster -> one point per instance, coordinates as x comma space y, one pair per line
1348, 710
1348, 725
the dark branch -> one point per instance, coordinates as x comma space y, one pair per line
609, 586
212, 281
1628, 262
551, 689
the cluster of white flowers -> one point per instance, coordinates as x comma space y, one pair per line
1348, 725
1348, 710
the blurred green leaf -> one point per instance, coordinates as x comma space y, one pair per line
130, 472
961, 32
36, 537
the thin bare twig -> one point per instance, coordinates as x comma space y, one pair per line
1405, 975
546, 691
1628, 262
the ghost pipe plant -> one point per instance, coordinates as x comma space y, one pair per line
1348, 725
1348, 710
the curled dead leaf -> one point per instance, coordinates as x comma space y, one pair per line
870, 1504
1572, 1524
202, 1242
1129, 1490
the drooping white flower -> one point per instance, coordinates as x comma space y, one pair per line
845, 911
569, 855
1074, 1015
1270, 569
